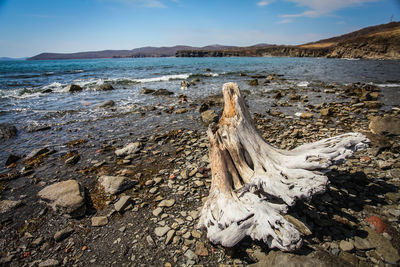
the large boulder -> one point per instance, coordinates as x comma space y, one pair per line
129, 149
387, 125
73, 88
116, 184
66, 197
7, 131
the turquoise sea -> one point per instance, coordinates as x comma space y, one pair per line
32, 93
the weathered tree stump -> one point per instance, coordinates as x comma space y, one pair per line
253, 183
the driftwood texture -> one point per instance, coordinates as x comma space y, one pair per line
253, 183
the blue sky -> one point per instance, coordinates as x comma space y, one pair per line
29, 27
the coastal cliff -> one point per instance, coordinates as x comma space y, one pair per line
376, 42
383, 45
273, 51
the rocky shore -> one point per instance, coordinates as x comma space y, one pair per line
135, 201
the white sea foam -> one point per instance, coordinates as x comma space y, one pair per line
26, 95
211, 74
388, 85
53, 85
164, 78
99, 81
303, 84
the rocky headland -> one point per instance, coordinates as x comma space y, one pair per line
376, 42
136, 200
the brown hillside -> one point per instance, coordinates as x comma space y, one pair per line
356, 34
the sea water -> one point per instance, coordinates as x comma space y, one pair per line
33, 93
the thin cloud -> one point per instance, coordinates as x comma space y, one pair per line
264, 3
152, 3
318, 8
285, 21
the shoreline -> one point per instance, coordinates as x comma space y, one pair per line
170, 166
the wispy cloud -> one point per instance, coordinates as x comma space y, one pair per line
151, 3
264, 3
318, 8
285, 21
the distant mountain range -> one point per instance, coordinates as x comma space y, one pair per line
148, 51
380, 42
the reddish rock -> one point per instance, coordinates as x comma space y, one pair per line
365, 159
380, 226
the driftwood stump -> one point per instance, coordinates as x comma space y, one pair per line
253, 183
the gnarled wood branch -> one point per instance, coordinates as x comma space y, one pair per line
254, 183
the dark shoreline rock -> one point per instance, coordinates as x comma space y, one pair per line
72, 88
104, 87
7, 131
162, 92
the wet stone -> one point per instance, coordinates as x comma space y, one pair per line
99, 221
150, 241
299, 225
115, 184
167, 203
12, 159
131, 148
38, 241
122, 203
161, 231
67, 196
346, 246
62, 234
157, 211
49, 263
201, 250
7, 205
170, 235
362, 243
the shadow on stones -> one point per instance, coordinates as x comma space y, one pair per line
331, 216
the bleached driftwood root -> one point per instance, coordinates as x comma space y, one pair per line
254, 183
